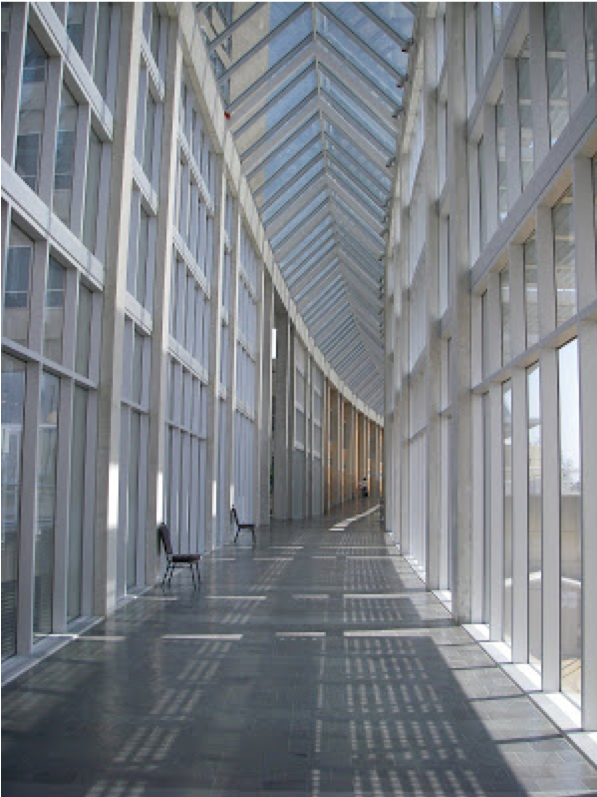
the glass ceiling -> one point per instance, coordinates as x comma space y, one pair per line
312, 92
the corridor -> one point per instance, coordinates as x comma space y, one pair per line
315, 663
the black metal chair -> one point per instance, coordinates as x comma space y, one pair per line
175, 560
242, 526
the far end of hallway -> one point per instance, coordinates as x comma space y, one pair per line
315, 663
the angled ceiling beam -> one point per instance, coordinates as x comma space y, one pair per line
371, 175
401, 41
257, 114
289, 210
358, 126
304, 281
294, 271
263, 42
381, 118
289, 243
313, 265
279, 172
359, 209
352, 178
270, 81
338, 65
306, 106
305, 122
290, 183
373, 54
366, 144
234, 25
306, 241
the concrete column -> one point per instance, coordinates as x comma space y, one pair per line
520, 538
215, 344
335, 447
229, 486
326, 447
158, 391
550, 472
584, 223
282, 430
588, 391
433, 370
460, 397
264, 405
309, 436
111, 363
496, 514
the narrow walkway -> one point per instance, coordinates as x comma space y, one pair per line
313, 664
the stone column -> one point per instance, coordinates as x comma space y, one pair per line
215, 343
282, 467
460, 398
111, 362
158, 393
264, 404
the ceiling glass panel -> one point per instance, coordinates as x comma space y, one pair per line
285, 175
276, 159
332, 33
266, 19
347, 143
366, 29
368, 121
303, 245
396, 15
267, 56
293, 190
300, 217
360, 174
284, 103
314, 90
307, 253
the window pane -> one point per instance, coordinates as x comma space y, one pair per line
84, 312
77, 503
102, 47
482, 197
31, 111
505, 308
75, 23
92, 188
13, 405
590, 40
570, 521
507, 550
525, 115
15, 322
564, 259
65, 156
530, 291
557, 74
54, 310
501, 159
535, 528
148, 146
46, 503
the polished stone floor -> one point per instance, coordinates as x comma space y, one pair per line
314, 664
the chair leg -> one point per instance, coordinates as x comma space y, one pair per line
198, 571
236, 536
254, 539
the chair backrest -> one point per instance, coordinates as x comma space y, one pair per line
233, 514
164, 533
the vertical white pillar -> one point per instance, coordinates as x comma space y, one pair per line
110, 386
215, 344
264, 403
158, 393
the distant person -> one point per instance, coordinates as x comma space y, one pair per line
364, 487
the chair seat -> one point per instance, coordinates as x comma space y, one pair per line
186, 557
